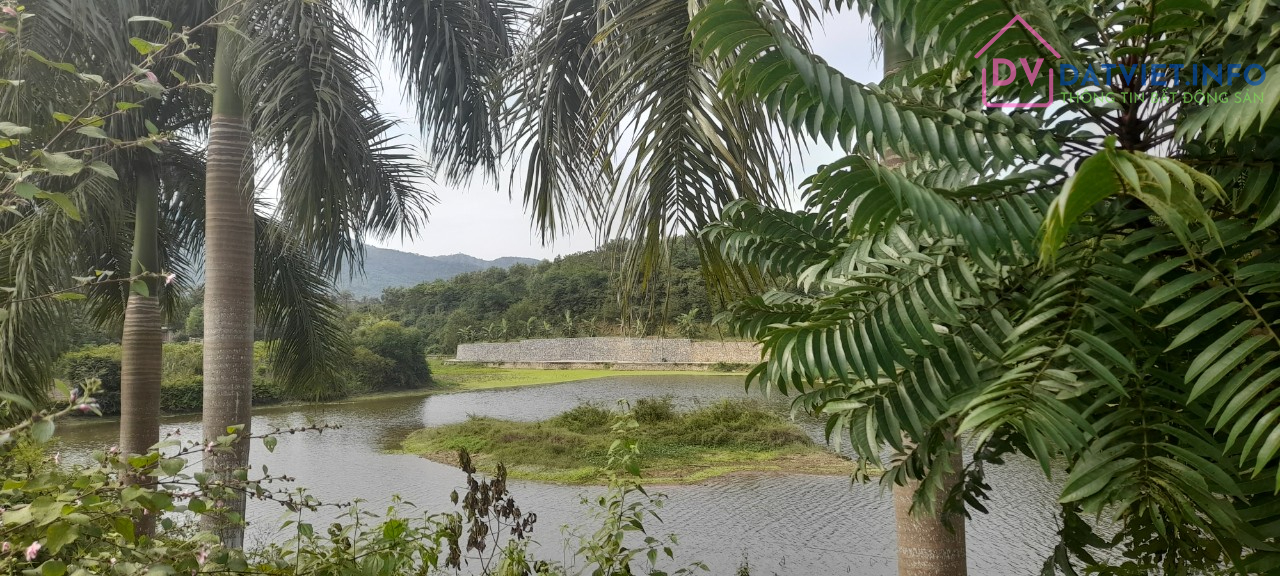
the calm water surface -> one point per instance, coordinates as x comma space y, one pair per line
784, 524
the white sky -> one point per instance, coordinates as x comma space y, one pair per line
484, 222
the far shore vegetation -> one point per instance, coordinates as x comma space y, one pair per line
732, 436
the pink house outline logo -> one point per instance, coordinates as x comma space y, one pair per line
1031, 73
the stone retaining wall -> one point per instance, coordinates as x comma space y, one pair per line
611, 350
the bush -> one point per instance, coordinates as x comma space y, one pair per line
369, 371
584, 418
103, 363
654, 410
267, 391
183, 360
405, 347
182, 395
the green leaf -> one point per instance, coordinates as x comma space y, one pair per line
104, 169
167, 24
11, 129
94, 132
270, 443
53, 568
172, 466
123, 524
1177, 287
59, 164
1106, 349
1092, 183
140, 288
144, 47
59, 65
68, 296
1204, 323
42, 431
63, 201
27, 190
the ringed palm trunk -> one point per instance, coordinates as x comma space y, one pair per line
141, 344
228, 296
927, 545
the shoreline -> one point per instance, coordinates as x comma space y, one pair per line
454, 378
769, 465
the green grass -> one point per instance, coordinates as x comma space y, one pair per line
732, 436
476, 377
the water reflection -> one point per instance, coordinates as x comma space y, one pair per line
784, 524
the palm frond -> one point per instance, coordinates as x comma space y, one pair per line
342, 176
450, 54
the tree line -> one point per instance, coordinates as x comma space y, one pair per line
583, 294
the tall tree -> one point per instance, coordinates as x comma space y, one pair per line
292, 82
1086, 283
330, 205
617, 122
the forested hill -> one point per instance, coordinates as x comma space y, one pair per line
385, 268
576, 295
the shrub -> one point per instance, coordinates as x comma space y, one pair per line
584, 418
103, 363
182, 360
654, 410
182, 395
403, 346
371, 372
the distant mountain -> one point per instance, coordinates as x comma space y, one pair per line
385, 268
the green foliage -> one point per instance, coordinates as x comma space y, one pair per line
182, 384
389, 341
1090, 285
61, 520
576, 295
370, 371
101, 363
183, 395
578, 443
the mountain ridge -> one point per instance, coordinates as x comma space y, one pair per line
387, 268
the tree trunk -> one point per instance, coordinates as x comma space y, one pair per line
228, 296
926, 547
141, 345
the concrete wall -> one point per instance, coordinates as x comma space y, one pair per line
611, 350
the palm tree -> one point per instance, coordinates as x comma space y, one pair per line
341, 179
612, 95
292, 81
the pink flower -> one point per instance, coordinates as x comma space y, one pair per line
8, 10
33, 550
168, 278
4, 548
152, 76
202, 556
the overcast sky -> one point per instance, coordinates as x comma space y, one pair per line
484, 222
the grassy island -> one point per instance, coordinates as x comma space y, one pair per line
676, 448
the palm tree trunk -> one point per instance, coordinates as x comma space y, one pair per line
228, 296
141, 344
927, 545
930, 545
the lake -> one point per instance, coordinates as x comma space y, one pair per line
791, 524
